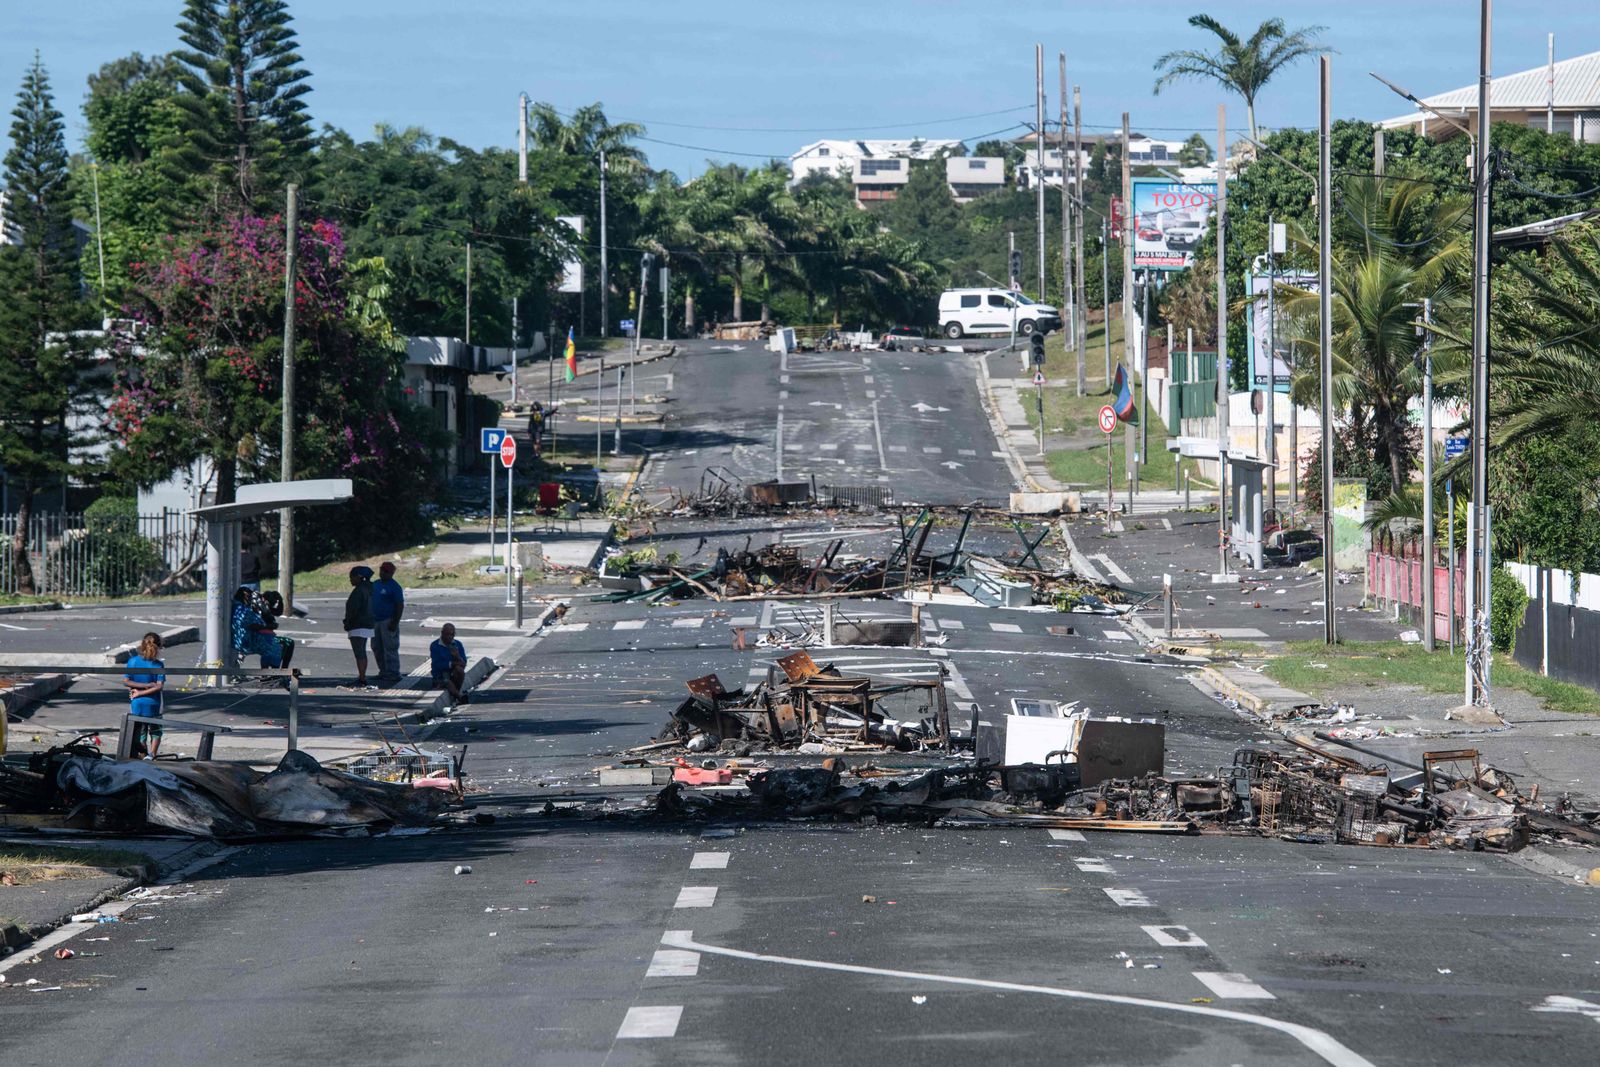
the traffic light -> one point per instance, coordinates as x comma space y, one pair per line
1037, 341
1016, 267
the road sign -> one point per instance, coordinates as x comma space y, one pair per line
1108, 419
489, 439
627, 327
1454, 446
508, 451
1038, 377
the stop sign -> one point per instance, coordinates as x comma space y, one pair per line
508, 451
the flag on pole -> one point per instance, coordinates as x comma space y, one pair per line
1124, 396
572, 356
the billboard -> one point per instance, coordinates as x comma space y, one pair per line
1256, 317
1169, 219
572, 269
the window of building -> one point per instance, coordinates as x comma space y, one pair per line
1159, 152
978, 164
970, 300
822, 151
878, 166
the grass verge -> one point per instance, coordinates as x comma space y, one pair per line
1380, 664
28, 864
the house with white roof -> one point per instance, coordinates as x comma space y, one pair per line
839, 157
1559, 97
972, 176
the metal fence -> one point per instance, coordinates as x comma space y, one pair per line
115, 554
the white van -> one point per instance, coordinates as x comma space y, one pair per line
964, 311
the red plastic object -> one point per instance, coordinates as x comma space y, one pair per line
549, 496
702, 776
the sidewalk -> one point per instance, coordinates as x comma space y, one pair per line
335, 723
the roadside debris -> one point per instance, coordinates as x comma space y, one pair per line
1304, 794
86, 789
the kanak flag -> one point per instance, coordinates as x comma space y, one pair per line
1123, 397
572, 356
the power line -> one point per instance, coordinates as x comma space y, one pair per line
836, 129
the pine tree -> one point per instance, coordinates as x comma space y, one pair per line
39, 366
243, 95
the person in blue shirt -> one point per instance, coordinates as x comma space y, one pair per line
448, 660
252, 634
388, 603
144, 694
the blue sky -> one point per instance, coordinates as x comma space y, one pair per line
772, 76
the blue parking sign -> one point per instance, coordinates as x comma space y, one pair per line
489, 439
1454, 446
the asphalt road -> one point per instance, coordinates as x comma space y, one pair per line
572, 938
909, 422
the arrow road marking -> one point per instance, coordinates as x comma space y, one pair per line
952, 464
1561, 1004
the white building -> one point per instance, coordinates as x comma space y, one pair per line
1563, 97
1052, 166
9, 234
840, 156
972, 176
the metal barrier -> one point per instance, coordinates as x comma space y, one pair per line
98, 554
855, 496
291, 673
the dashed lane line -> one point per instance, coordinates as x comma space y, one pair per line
1174, 936
1067, 835
692, 623
1231, 985
1323, 1044
630, 624
1005, 627
1128, 898
952, 624
709, 861
655, 1021
673, 963
696, 896
1090, 865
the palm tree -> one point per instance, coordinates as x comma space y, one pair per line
1394, 249
588, 133
1243, 66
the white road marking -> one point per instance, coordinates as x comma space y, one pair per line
1320, 1042
859, 447
952, 624
1005, 627
691, 623
1112, 569
932, 450
872, 394
1067, 835
709, 861
1174, 936
673, 963
743, 620
1090, 865
897, 448
630, 624
795, 448
1231, 985
1128, 898
1166, 524
957, 684
777, 449
10, 626
829, 447
650, 1022
574, 627
1118, 635
877, 435
997, 455
966, 452
1563, 1004
868, 380
696, 896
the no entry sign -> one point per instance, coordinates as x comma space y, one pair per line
508, 451
1108, 419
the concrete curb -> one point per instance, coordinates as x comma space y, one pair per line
15, 699
1583, 872
19, 609
178, 635
1254, 693
1002, 435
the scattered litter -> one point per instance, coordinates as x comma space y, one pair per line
1410, 637
919, 999
65, 953
462, 868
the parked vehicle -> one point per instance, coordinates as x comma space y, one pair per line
991, 311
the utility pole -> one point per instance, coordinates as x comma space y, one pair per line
604, 279
1080, 340
291, 248
1277, 239
99, 235
1068, 305
1427, 476
1222, 337
1038, 84
469, 292
1480, 552
1127, 254
516, 332
1105, 290
1549, 91
522, 139
1379, 152
1325, 357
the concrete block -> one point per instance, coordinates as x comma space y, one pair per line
635, 775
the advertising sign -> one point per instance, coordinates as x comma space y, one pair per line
1258, 334
572, 269
1169, 219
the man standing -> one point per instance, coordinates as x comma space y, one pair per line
388, 602
448, 660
